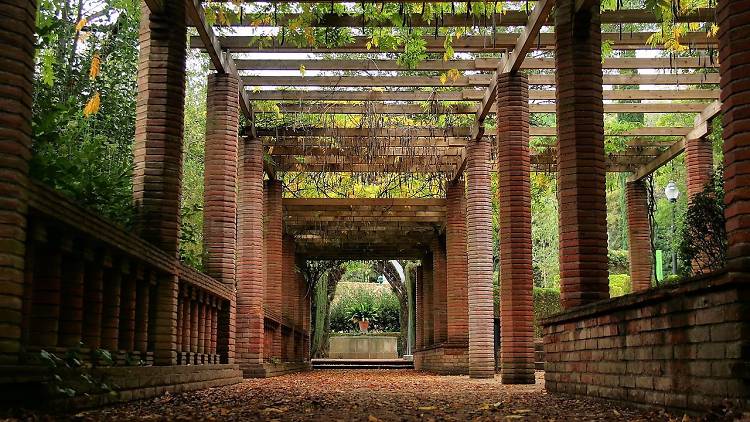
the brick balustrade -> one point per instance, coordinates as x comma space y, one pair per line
514, 203
479, 249
440, 292
581, 160
457, 265
220, 177
17, 28
250, 267
733, 18
639, 236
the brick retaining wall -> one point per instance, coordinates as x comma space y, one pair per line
681, 347
443, 359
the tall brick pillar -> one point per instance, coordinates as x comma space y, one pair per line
699, 163
580, 154
157, 169
440, 291
733, 18
639, 236
250, 289
479, 249
220, 177
419, 305
457, 264
17, 27
514, 201
428, 302
274, 269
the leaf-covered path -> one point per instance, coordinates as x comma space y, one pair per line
369, 396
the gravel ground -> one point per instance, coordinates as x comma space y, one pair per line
386, 395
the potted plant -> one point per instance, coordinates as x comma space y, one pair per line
362, 314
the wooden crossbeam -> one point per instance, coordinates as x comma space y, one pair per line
398, 109
442, 133
363, 202
468, 95
459, 20
701, 129
466, 81
155, 6
468, 64
476, 44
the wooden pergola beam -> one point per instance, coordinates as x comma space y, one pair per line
155, 6
467, 64
398, 109
467, 95
468, 44
363, 202
449, 20
701, 129
466, 81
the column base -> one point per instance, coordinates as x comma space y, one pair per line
443, 359
268, 369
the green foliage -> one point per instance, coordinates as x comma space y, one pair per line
619, 285
357, 303
72, 375
619, 261
704, 241
546, 304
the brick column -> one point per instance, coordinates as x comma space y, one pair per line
71, 314
440, 291
428, 296
158, 154
699, 164
419, 305
45, 309
250, 289
111, 309
127, 313
17, 27
93, 297
142, 298
580, 155
639, 236
275, 257
733, 18
220, 180
288, 292
514, 202
457, 264
479, 249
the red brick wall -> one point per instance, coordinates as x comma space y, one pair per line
514, 203
220, 177
682, 347
699, 163
446, 359
639, 236
580, 154
250, 289
428, 297
17, 27
479, 247
457, 264
733, 18
274, 259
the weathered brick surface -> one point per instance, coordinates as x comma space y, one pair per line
45, 300
250, 289
447, 359
126, 339
682, 347
733, 18
514, 203
71, 312
479, 247
428, 300
699, 164
220, 177
639, 236
439, 290
581, 160
457, 264
160, 124
93, 304
17, 27
274, 261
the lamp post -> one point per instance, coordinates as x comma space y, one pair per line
672, 193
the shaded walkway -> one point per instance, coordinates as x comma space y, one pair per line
370, 396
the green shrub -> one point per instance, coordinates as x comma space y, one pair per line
619, 261
619, 285
382, 306
546, 304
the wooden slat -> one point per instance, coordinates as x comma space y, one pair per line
471, 64
468, 95
466, 81
527, 36
476, 44
380, 108
701, 129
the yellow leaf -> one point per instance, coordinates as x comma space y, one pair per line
92, 107
81, 23
96, 62
302, 70
368, 45
458, 34
427, 408
443, 78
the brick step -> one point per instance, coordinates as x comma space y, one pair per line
362, 364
